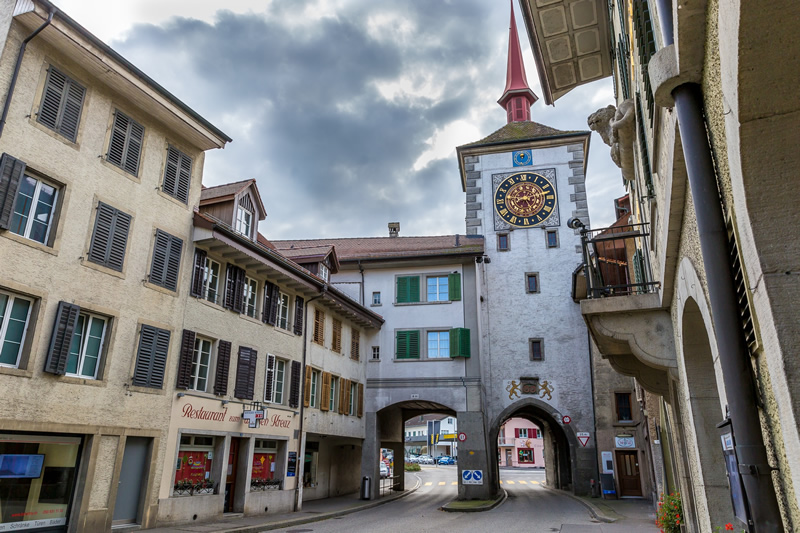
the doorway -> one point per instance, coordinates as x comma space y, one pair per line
131, 480
508, 458
628, 474
230, 479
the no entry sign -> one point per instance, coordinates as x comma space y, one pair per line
462, 437
566, 419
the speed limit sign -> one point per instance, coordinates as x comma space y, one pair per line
462, 437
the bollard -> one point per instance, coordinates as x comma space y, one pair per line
365, 486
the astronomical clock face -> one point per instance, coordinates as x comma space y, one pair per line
525, 199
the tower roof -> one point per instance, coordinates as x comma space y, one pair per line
516, 82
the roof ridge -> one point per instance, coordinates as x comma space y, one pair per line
364, 238
227, 184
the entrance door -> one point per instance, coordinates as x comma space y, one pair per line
131, 479
628, 472
508, 458
230, 480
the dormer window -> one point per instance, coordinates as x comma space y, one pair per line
244, 221
324, 273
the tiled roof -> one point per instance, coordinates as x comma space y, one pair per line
305, 251
226, 189
389, 247
520, 131
263, 241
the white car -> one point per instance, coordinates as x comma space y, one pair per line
426, 460
384, 470
412, 459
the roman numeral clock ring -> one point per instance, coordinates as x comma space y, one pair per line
525, 200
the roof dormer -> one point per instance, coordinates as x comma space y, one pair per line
237, 204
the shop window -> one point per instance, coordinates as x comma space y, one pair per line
265, 460
311, 460
526, 456
193, 467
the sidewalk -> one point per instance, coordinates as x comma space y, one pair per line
623, 514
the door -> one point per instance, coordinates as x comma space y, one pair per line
628, 474
131, 480
230, 479
508, 458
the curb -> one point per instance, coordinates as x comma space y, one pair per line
499, 501
596, 512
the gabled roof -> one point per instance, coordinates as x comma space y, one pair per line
521, 131
311, 254
227, 191
361, 248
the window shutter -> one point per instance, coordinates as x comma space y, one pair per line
151, 359
407, 289
342, 395
336, 340
199, 271
63, 329
234, 288
270, 378
11, 172
355, 344
71, 112
413, 289
126, 143
110, 237
516, 433
223, 368
177, 174
51, 99
307, 387
319, 327
245, 374
347, 397
299, 314
459, 342
294, 394
185, 361
408, 344
166, 260
325, 397
360, 409
274, 301
454, 286
61, 104
267, 301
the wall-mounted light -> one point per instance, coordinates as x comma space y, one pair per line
225, 402
181, 394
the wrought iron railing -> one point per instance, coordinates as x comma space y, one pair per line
616, 262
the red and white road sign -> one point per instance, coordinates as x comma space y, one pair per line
462, 437
583, 438
566, 419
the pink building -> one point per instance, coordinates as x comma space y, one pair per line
520, 444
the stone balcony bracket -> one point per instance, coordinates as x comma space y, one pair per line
665, 75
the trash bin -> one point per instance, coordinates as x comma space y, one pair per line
365, 488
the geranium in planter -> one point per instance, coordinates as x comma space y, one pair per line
669, 515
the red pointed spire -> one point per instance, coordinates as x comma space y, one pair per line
517, 98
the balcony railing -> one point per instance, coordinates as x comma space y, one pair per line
616, 262
502, 441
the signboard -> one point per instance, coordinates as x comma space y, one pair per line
447, 436
566, 419
608, 462
583, 438
472, 477
734, 478
291, 465
434, 427
462, 437
624, 442
253, 417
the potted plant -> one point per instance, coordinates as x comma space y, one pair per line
669, 515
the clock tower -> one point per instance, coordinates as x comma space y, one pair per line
523, 182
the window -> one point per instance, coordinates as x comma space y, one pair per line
275, 381
166, 263
125, 146
437, 289
526, 456
34, 207
407, 289
355, 345
151, 357
502, 242
624, 413
177, 174
438, 344
324, 271
244, 221
531, 282
200, 362
245, 373
536, 349
109, 237
319, 327
210, 280
551, 238
86, 347
62, 103
376, 353
250, 292
15, 312
353, 399
407, 343
376, 298
526, 433
332, 407
336, 343
312, 402
194, 466
283, 311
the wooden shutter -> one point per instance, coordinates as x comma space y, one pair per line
63, 329
234, 288
336, 344
299, 314
516, 433
166, 260
267, 302
245, 373
459, 342
199, 272
408, 289
360, 408
151, 359
125, 146
307, 387
319, 327
347, 397
61, 104
325, 397
269, 378
355, 344
223, 368
177, 174
294, 393
454, 286
274, 302
342, 395
407, 344
11, 172
110, 237
185, 362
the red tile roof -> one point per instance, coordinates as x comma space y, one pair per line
352, 249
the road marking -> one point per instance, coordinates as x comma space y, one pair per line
428, 484
510, 482
442, 483
535, 482
501, 481
454, 483
523, 482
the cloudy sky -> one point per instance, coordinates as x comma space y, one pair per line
347, 112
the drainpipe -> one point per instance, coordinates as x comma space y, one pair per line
361, 271
20, 54
301, 442
734, 355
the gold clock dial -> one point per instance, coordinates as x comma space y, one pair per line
525, 199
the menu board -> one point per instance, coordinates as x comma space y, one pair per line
291, 466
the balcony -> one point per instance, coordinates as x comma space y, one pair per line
502, 441
622, 306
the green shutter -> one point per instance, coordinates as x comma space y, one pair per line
638, 271
454, 286
408, 344
407, 289
459, 342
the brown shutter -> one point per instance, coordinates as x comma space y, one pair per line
274, 302
63, 329
319, 327
11, 172
325, 397
347, 397
185, 361
307, 387
355, 344
294, 394
269, 378
299, 314
336, 344
245, 374
360, 408
223, 368
199, 271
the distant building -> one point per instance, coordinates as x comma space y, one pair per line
444, 442
520, 444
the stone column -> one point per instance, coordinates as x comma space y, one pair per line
371, 453
472, 455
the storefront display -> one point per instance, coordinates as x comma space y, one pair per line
193, 469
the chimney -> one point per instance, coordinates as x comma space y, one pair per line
394, 229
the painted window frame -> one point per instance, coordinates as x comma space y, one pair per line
314, 393
376, 298
503, 242
244, 221
324, 272
437, 289
12, 297
33, 208
532, 344
376, 353
250, 297
547, 242
439, 349
333, 401
84, 340
453, 281
283, 311
352, 399
197, 363
278, 381
208, 276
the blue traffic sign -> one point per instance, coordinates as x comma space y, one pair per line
472, 477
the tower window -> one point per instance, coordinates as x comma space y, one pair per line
502, 242
551, 238
531, 282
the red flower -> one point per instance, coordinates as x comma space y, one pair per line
729, 527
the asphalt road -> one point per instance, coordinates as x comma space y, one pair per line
529, 508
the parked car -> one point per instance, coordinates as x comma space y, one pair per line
426, 460
446, 460
384, 470
412, 459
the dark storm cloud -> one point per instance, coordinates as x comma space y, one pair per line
332, 155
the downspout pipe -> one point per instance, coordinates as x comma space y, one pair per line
20, 55
734, 355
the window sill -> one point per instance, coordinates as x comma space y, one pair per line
171, 198
55, 135
624, 424
147, 390
250, 318
404, 304
28, 242
74, 380
376, 305
159, 288
100, 268
374, 360
19, 372
118, 170
425, 360
211, 305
